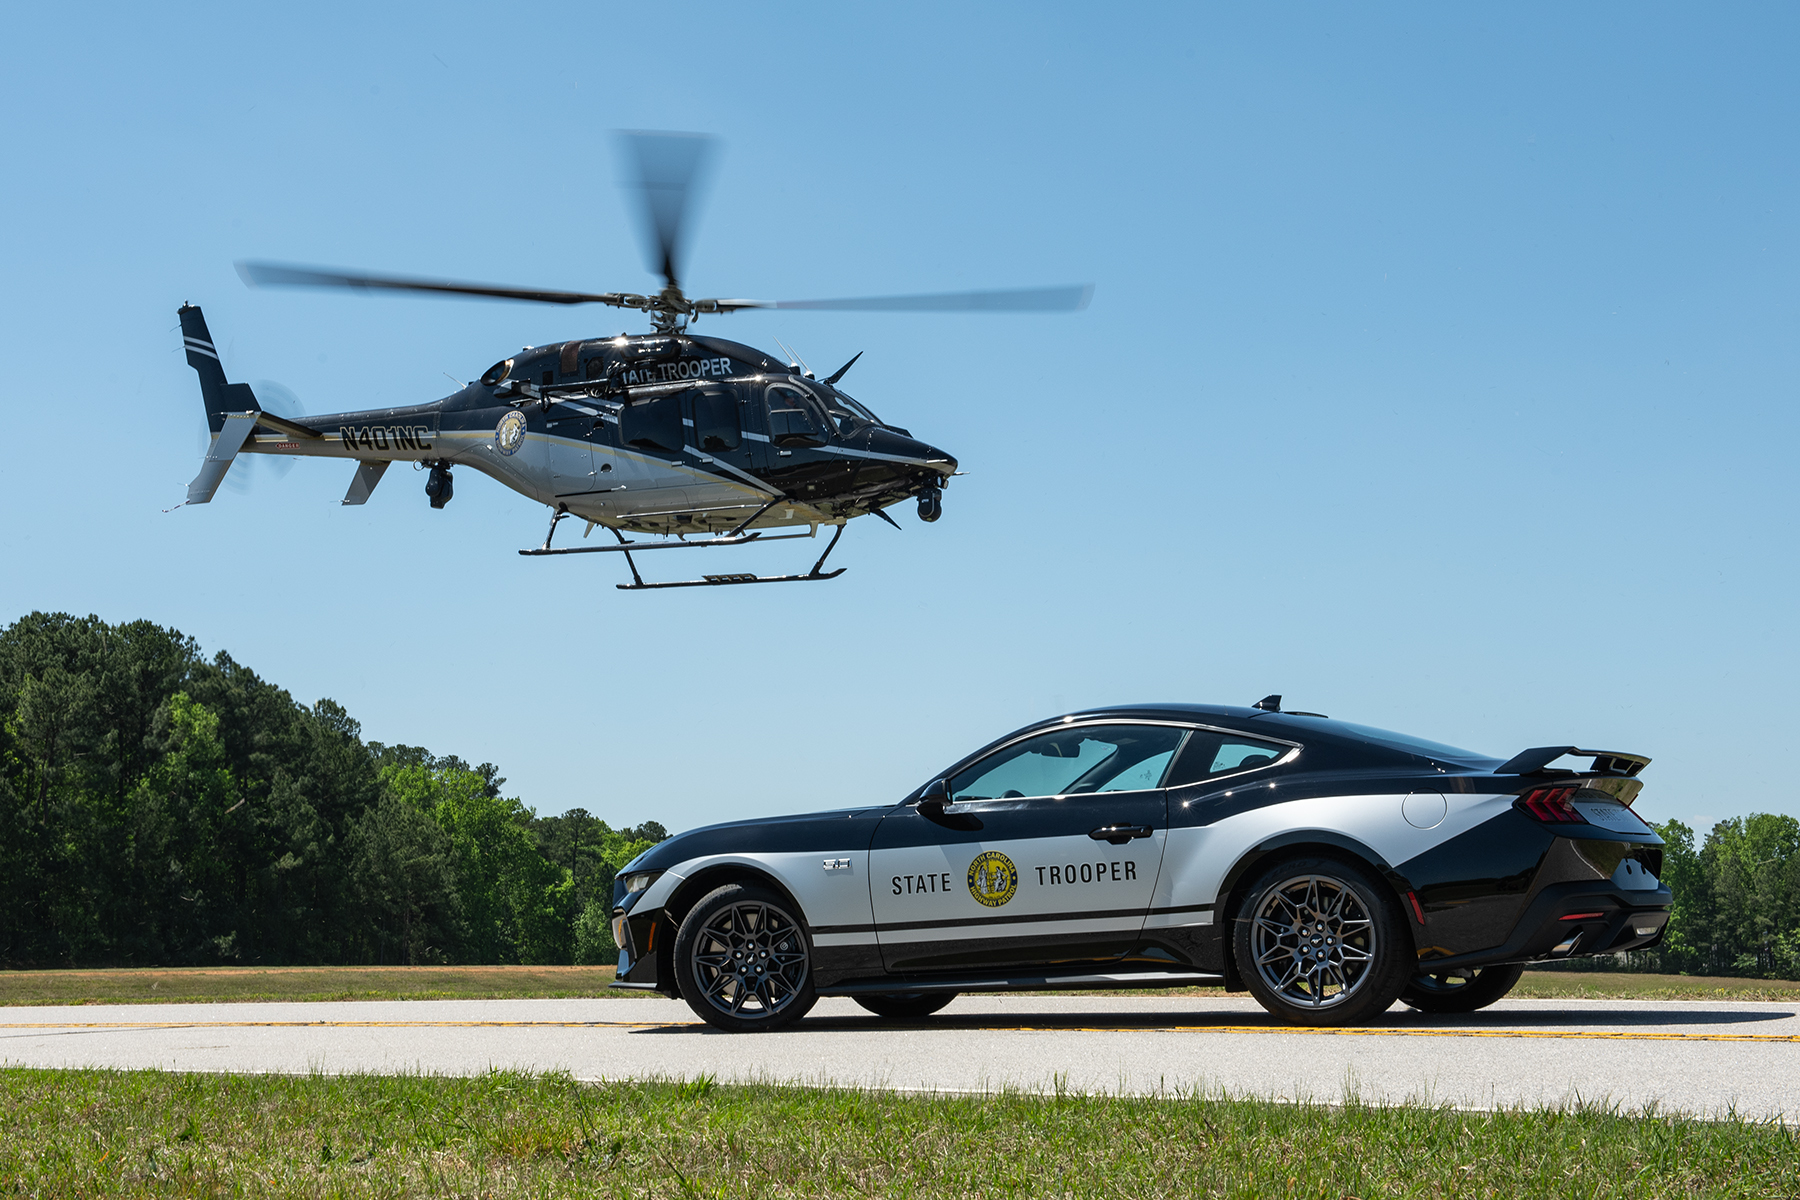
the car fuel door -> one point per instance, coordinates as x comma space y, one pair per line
1045, 851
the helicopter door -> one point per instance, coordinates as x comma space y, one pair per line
795, 419
571, 461
713, 424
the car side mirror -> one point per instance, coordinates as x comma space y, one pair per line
933, 799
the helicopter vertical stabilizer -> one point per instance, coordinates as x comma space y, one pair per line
231, 408
219, 396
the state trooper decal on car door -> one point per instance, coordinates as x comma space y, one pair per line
1045, 850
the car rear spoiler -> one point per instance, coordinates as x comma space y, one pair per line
1606, 762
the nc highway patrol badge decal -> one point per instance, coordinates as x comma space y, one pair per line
993, 879
509, 434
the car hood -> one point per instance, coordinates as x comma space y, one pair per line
842, 829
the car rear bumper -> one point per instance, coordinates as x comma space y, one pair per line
1571, 920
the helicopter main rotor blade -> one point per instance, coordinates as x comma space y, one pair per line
668, 169
261, 274
1050, 299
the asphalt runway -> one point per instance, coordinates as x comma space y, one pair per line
1708, 1058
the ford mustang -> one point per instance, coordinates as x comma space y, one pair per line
1328, 868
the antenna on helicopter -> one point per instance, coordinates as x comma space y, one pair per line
794, 358
840, 372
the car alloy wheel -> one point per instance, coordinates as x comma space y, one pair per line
1461, 991
1314, 941
1318, 943
743, 961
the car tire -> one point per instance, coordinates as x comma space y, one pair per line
743, 960
1319, 941
1460, 993
904, 1006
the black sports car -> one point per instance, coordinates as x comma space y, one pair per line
1326, 867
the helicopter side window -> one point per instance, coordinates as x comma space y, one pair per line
716, 421
594, 369
793, 420
652, 424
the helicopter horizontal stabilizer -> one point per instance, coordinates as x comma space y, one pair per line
362, 484
235, 427
368, 474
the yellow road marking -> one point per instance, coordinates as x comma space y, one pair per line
341, 1024
1605, 1035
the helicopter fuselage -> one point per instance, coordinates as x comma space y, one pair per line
668, 434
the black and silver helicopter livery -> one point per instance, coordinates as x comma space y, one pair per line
700, 440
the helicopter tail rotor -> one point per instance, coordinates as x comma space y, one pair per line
271, 397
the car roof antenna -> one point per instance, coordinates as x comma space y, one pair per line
1269, 703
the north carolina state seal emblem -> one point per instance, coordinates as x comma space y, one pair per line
509, 434
993, 880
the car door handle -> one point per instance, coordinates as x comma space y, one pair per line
1118, 835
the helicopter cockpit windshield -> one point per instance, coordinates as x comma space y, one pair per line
846, 412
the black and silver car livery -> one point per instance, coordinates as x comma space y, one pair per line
1327, 868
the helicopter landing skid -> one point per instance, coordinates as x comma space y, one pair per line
637, 583
736, 538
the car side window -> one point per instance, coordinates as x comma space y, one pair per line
1102, 758
1208, 754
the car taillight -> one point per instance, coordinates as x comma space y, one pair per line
1551, 805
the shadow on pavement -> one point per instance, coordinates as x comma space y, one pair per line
1690, 1020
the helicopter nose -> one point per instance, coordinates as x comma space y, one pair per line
896, 446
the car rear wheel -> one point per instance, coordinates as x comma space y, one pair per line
904, 1006
1461, 991
1321, 942
742, 960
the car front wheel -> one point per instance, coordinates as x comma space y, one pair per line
1461, 991
1321, 942
743, 961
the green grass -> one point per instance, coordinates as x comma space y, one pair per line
1620, 985
98, 1133
211, 984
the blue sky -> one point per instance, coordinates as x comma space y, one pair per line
1440, 373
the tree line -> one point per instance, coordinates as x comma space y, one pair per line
161, 808
1737, 900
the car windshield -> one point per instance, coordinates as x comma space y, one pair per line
1386, 737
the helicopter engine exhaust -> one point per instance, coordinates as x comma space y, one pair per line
439, 486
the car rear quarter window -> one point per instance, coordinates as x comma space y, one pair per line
1209, 754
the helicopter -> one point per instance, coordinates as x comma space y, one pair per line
683, 440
